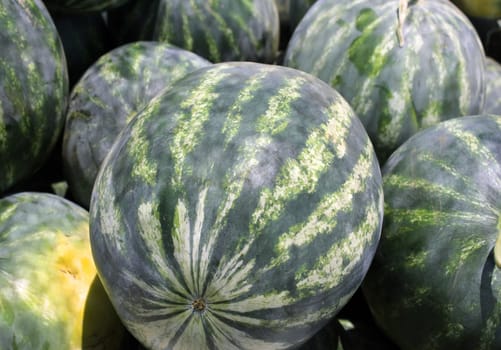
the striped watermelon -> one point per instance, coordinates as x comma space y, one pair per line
492, 87
402, 65
110, 93
239, 210
50, 296
435, 282
33, 89
223, 30
82, 6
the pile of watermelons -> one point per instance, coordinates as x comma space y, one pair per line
250, 174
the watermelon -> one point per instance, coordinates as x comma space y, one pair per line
240, 209
402, 65
82, 6
492, 87
33, 89
223, 30
50, 295
109, 94
435, 282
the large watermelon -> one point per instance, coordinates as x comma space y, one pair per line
402, 65
239, 210
435, 282
223, 30
109, 94
33, 88
50, 295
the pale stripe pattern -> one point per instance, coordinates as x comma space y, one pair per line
259, 222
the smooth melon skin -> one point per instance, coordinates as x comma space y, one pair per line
240, 209
220, 31
33, 89
50, 294
117, 86
435, 281
402, 65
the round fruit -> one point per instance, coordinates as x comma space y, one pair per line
402, 65
223, 30
239, 210
109, 94
33, 89
435, 282
50, 295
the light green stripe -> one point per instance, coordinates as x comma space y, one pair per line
398, 109
233, 274
416, 260
227, 32
194, 253
428, 217
110, 214
257, 303
301, 175
475, 146
331, 269
190, 124
437, 162
277, 116
323, 219
463, 90
150, 229
166, 298
187, 35
138, 147
432, 114
468, 247
243, 18
231, 279
234, 117
6, 213
396, 181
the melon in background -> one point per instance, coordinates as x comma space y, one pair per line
402, 65
50, 295
33, 89
109, 94
224, 30
435, 282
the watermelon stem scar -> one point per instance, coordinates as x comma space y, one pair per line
199, 305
